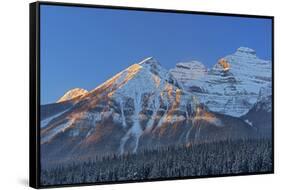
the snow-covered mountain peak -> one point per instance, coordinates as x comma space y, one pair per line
152, 65
245, 51
147, 75
232, 85
191, 65
73, 93
186, 72
148, 61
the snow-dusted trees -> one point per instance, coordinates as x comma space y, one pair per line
218, 158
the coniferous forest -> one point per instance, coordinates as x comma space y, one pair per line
206, 159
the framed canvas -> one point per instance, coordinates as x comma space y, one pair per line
121, 94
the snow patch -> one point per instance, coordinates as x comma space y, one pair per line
46, 121
248, 122
58, 129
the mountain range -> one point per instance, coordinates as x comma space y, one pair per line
231, 86
146, 106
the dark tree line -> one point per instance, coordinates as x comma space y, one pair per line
227, 157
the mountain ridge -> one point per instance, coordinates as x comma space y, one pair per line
232, 85
142, 107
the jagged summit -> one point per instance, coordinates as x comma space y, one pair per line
148, 60
146, 74
152, 65
73, 93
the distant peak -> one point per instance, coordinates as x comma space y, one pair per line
245, 50
188, 71
191, 65
73, 93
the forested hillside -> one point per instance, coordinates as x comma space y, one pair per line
218, 158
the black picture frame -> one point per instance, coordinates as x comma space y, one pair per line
34, 83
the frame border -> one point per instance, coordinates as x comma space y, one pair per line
34, 95
34, 90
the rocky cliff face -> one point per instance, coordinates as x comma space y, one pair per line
186, 72
232, 86
142, 107
260, 115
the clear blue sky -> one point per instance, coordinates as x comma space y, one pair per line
83, 47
